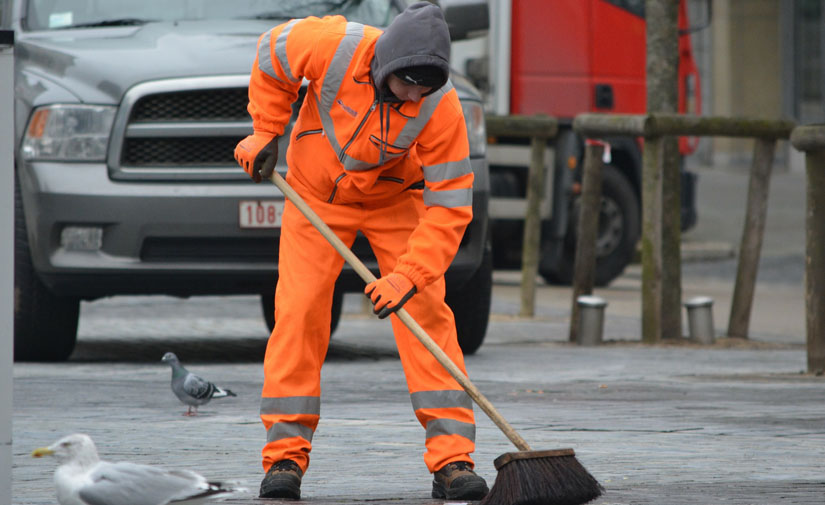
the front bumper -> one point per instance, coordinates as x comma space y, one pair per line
178, 239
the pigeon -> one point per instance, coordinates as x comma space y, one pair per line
191, 389
82, 478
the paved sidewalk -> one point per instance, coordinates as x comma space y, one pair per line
678, 423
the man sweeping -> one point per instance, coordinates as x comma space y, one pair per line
380, 147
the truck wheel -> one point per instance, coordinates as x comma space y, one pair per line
471, 305
268, 306
45, 325
619, 230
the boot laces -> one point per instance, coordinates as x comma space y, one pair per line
285, 465
460, 466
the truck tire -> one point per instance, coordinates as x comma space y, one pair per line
268, 306
45, 325
619, 230
471, 305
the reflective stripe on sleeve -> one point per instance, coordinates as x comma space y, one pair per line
265, 55
280, 50
446, 171
449, 198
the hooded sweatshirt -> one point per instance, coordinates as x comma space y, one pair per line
418, 36
351, 142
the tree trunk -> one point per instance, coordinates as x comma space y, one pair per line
663, 251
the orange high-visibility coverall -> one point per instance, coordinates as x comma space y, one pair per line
399, 173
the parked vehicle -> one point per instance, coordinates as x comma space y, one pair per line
127, 113
563, 58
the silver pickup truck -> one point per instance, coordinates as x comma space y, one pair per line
127, 113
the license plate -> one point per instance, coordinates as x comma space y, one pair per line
260, 213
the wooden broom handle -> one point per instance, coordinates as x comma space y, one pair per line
402, 313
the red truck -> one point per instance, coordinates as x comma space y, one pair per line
563, 58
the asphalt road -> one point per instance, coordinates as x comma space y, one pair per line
736, 422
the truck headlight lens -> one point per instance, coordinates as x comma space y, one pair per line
68, 133
476, 129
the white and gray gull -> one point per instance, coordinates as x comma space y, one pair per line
82, 478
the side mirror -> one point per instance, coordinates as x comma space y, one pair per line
466, 18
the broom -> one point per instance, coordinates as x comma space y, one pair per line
526, 477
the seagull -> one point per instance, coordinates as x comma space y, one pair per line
191, 389
83, 479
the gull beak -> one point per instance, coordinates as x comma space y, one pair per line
42, 451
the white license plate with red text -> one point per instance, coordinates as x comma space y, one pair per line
260, 213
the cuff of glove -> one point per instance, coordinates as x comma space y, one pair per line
413, 275
266, 137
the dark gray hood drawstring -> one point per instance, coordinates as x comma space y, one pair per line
385, 132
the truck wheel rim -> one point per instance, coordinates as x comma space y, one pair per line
611, 228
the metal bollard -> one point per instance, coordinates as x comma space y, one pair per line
700, 319
591, 319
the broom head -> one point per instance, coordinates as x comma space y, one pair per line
542, 478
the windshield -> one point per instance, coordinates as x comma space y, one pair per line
67, 14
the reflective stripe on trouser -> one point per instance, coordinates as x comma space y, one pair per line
307, 270
451, 431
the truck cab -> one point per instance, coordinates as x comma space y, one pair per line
564, 58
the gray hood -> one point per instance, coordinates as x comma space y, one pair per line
417, 36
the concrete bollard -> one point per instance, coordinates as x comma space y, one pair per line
700, 319
591, 319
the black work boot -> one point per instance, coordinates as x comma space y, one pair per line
283, 480
457, 481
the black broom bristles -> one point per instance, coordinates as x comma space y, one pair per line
542, 480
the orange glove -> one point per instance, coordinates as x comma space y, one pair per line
389, 293
257, 155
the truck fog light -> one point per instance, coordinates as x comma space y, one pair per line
81, 238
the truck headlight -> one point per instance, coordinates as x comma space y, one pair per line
476, 129
68, 133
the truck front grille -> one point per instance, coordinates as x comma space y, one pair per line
181, 130
201, 105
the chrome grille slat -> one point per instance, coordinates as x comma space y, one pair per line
188, 129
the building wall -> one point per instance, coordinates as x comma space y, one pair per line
746, 69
